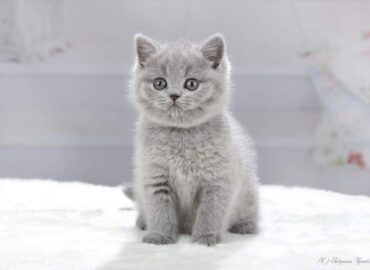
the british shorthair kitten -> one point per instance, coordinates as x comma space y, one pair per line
195, 168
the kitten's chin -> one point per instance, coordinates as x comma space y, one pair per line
177, 117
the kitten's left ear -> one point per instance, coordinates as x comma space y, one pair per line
213, 49
145, 47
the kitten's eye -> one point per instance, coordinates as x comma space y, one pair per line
191, 84
159, 84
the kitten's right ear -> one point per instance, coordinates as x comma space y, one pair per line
213, 49
145, 47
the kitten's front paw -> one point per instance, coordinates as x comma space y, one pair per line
158, 239
207, 239
244, 228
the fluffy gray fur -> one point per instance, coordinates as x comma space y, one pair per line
195, 170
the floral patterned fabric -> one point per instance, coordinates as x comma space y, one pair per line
341, 74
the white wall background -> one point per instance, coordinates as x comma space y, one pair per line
262, 35
68, 118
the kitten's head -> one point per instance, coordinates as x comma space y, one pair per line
180, 84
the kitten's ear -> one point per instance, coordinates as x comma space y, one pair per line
213, 49
145, 47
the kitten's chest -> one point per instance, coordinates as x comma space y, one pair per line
185, 153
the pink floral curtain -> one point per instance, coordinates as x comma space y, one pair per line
342, 79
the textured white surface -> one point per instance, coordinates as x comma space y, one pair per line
50, 225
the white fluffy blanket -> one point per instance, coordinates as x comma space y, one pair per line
48, 225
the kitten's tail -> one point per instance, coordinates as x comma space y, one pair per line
129, 192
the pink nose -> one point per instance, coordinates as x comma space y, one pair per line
174, 97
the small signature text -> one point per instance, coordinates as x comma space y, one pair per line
343, 261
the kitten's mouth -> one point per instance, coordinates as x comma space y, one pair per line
175, 108
175, 105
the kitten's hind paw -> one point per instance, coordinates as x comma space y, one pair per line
158, 239
244, 228
207, 239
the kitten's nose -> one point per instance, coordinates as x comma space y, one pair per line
174, 97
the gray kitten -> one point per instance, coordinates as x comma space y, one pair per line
195, 170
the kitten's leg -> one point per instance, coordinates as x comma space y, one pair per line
245, 226
140, 222
161, 216
211, 214
247, 216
